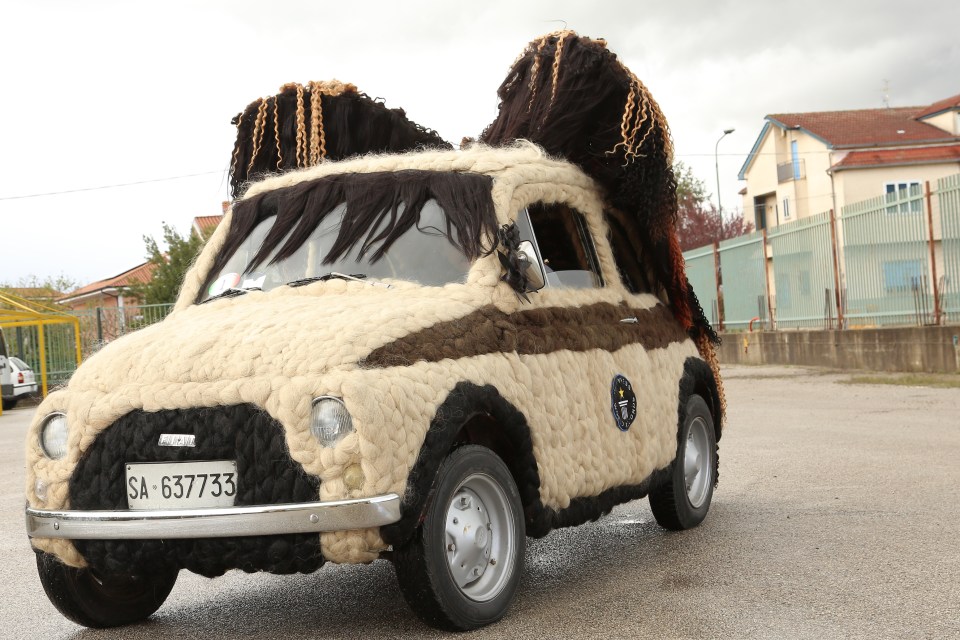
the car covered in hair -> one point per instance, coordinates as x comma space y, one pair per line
424, 356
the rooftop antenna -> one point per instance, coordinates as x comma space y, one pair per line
886, 93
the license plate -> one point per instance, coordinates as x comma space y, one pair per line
181, 485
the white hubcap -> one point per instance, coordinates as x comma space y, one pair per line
697, 473
480, 538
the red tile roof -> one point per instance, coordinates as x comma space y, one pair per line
206, 224
953, 102
140, 274
888, 157
865, 127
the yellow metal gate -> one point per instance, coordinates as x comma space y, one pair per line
46, 338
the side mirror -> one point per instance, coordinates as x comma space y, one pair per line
532, 270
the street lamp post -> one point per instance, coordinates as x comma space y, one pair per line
716, 162
716, 245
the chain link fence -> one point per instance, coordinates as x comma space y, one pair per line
101, 325
98, 326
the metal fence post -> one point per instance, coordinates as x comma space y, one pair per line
933, 257
716, 267
43, 360
766, 278
836, 267
99, 326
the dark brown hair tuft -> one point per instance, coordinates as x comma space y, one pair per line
573, 97
380, 207
303, 125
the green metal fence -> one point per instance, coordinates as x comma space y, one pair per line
886, 256
897, 258
743, 273
803, 273
59, 345
103, 324
948, 199
97, 327
702, 274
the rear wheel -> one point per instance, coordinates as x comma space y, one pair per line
84, 598
460, 570
683, 500
9, 404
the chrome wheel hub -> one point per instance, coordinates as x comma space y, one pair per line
697, 473
480, 538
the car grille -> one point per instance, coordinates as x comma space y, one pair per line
265, 475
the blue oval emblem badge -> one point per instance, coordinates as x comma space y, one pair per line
623, 402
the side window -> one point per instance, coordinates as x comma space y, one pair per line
560, 234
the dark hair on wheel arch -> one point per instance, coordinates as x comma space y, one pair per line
466, 402
698, 379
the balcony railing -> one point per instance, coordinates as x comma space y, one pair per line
788, 171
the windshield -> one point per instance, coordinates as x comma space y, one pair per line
427, 253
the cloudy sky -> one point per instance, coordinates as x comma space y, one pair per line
115, 116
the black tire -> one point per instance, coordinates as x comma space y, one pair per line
9, 404
89, 601
425, 565
675, 505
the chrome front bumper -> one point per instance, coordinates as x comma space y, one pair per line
224, 522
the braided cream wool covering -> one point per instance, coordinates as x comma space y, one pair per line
281, 348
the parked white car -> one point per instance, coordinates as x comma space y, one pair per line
23, 383
6, 384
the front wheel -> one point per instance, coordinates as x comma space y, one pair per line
461, 568
683, 500
88, 600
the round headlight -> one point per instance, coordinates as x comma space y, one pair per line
53, 436
329, 420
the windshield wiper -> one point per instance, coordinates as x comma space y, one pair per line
232, 292
329, 276
356, 277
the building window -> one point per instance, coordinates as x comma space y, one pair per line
902, 275
795, 159
804, 282
903, 197
786, 208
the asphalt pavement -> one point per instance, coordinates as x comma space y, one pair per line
837, 516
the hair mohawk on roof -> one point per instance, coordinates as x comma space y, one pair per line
572, 96
303, 125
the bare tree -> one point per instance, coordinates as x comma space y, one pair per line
698, 223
